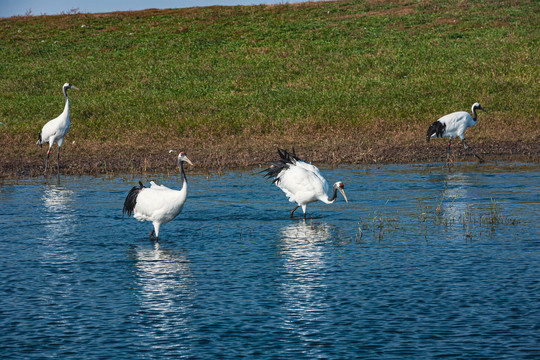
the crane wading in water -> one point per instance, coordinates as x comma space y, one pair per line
158, 203
56, 129
454, 125
301, 182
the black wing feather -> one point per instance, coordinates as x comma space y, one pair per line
436, 128
131, 199
286, 159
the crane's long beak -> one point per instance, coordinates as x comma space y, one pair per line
343, 193
188, 161
481, 108
75, 88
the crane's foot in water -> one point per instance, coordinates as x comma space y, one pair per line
153, 237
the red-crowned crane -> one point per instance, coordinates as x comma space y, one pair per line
302, 183
454, 125
158, 203
56, 129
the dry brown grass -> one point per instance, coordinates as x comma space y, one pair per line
141, 154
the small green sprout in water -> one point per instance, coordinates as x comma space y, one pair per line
495, 217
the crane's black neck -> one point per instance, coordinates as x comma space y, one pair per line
474, 113
182, 173
334, 194
65, 92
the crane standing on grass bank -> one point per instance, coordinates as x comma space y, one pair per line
56, 129
301, 182
454, 125
158, 203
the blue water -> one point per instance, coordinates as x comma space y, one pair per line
409, 268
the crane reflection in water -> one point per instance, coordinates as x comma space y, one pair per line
59, 216
455, 196
165, 286
301, 249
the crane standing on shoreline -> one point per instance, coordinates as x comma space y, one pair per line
454, 125
56, 129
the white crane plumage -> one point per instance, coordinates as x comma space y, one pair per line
302, 183
56, 129
454, 125
158, 203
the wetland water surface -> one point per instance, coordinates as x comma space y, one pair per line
420, 263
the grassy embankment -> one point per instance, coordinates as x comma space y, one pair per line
345, 81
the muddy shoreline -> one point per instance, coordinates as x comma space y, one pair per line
22, 158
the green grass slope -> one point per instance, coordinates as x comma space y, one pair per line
301, 72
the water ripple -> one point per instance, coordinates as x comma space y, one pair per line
406, 269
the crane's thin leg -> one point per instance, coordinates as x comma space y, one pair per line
293, 210
152, 237
449, 160
471, 150
58, 160
47, 160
